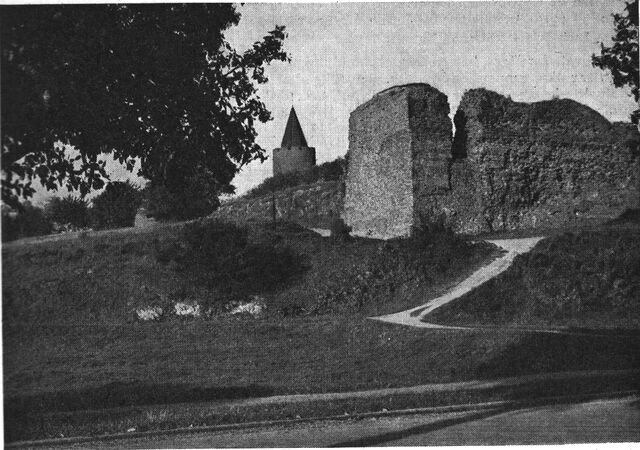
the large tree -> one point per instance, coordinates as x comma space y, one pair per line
155, 83
621, 59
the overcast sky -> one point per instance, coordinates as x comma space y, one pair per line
343, 53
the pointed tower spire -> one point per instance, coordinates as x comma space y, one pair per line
293, 135
293, 155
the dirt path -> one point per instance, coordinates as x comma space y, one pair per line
413, 317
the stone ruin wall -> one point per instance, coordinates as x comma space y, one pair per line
536, 165
510, 166
379, 193
430, 146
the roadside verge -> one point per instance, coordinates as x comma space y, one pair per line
118, 423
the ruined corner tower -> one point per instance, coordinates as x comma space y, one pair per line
399, 149
293, 155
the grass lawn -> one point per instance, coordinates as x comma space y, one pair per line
63, 370
587, 279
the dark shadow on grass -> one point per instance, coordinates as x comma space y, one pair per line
539, 353
420, 429
119, 394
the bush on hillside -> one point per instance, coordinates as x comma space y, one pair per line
220, 255
30, 221
198, 197
116, 206
69, 210
329, 171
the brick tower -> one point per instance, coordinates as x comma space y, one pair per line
293, 155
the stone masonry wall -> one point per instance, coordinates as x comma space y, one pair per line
293, 159
314, 205
379, 182
431, 145
540, 165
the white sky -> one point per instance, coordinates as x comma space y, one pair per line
343, 53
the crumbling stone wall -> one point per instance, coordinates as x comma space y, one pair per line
314, 205
430, 146
394, 139
510, 165
540, 165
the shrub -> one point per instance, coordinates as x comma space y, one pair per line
30, 221
332, 170
197, 197
68, 210
116, 206
213, 241
220, 255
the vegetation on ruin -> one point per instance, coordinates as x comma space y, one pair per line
329, 171
158, 84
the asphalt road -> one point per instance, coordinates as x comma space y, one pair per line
590, 422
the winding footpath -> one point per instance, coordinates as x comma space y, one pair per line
413, 317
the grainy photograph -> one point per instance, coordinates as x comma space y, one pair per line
320, 224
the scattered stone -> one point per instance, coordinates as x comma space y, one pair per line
187, 309
255, 307
149, 313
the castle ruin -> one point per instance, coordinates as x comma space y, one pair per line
510, 165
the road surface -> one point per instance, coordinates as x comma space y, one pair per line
589, 422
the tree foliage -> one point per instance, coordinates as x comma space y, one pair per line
155, 82
116, 206
621, 59
68, 210
197, 197
28, 221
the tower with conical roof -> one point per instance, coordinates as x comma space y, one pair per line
293, 155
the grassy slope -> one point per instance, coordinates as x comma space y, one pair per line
103, 278
69, 311
71, 341
589, 279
